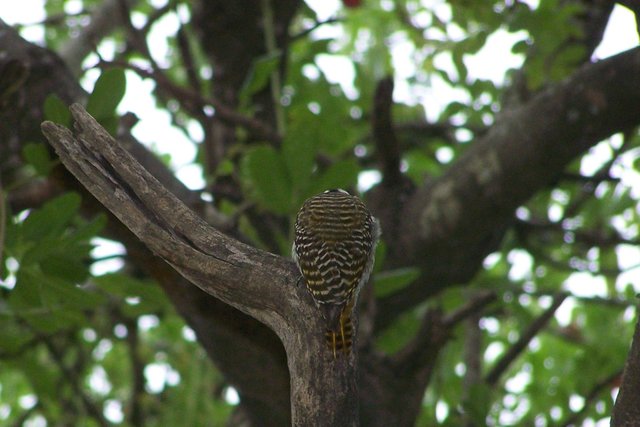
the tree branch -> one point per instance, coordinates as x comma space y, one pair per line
388, 151
219, 265
599, 387
248, 353
255, 282
514, 351
452, 223
104, 19
626, 411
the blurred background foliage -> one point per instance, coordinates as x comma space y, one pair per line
86, 340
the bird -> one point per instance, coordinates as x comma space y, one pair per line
334, 249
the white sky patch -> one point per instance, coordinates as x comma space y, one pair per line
564, 313
597, 156
338, 69
98, 381
442, 410
231, 396
439, 7
73, 7
155, 130
113, 411
438, 96
159, 375
518, 382
28, 401
490, 324
493, 351
491, 260
158, 3
368, 179
105, 248
620, 34
629, 260
165, 28
624, 168
188, 334
495, 58
101, 350
584, 284
27, 12
148, 321
5, 410
521, 264
324, 9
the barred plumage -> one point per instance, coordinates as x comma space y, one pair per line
335, 238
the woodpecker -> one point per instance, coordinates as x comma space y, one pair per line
334, 245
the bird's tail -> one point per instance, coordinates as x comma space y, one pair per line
341, 339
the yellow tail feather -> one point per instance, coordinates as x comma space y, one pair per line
341, 340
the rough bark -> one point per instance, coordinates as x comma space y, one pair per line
452, 223
626, 411
523, 152
257, 283
247, 352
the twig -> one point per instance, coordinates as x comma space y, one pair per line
191, 98
188, 60
514, 351
104, 19
21, 421
472, 349
598, 388
271, 46
73, 380
136, 415
435, 328
314, 27
471, 307
195, 103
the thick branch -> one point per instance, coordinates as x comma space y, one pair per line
384, 133
450, 225
626, 411
323, 389
248, 353
221, 266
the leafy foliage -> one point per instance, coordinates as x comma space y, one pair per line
78, 346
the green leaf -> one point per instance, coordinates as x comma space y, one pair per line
299, 154
52, 218
66, 297
391, 281
399, 333
260, 74
43, 378
151, 296
107, 94
267, 175
342, 174
67, 265
38, 157
89, 229
56, 110
479, 402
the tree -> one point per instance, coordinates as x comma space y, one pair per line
492, 210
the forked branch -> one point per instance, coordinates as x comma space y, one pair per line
260, 284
